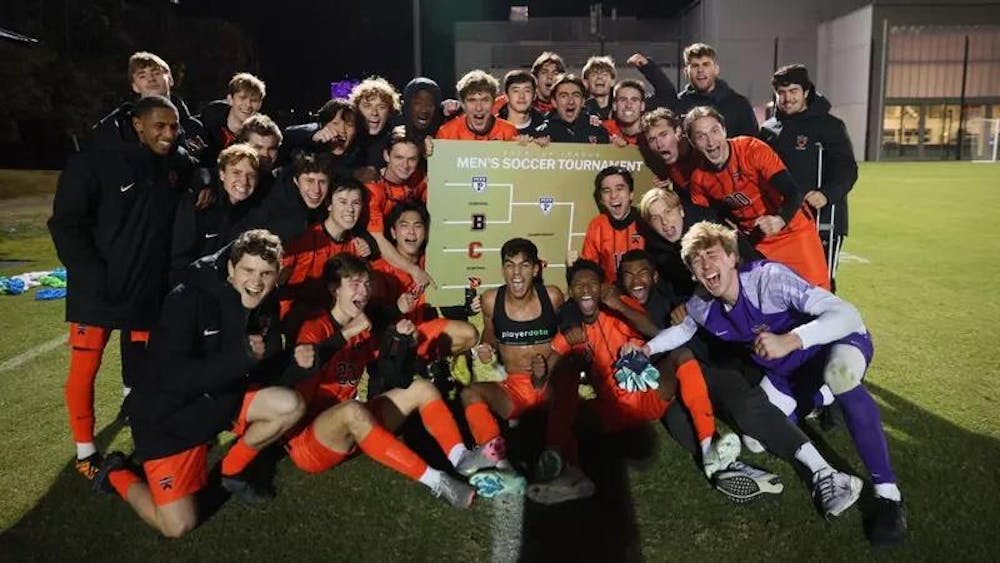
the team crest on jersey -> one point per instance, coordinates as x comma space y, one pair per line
800, 142
761, 328
479, 184
546, 203
636, 238
167, 483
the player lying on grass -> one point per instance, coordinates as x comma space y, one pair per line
615, 230
216, 357
519, 323
604, 341
441, 333
802, 336
337, 424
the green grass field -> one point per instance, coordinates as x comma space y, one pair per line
922, 269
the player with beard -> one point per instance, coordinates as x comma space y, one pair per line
222, 119
628, 106
747, 177
477, 90
802, 336
569, 123
519, 88
615, 230
599, 76
334, 133
379, 104
705, 88
263, 135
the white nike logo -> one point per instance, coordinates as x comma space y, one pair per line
210, 332
211, 235
127, 188
723, 333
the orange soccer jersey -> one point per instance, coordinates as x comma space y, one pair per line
305, 257
613, 129
744, 188
383, 195
606, 245
456, 129
338, 378
389, 282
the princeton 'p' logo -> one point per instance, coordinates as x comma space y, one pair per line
479, 184
546, 203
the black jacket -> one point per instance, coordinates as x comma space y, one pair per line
536, 119
298, 138
580, 131
111, 225
797, 139
283, 212
736, 109
213, 118
199, 363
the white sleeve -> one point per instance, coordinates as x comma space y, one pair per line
673, 337
835, 318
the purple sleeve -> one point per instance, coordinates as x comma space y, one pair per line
784, 290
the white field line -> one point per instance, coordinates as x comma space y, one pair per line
506, 521
30, 354
848, 257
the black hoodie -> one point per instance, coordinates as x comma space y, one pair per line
412, 87
111, 225
795, 138
284, 213
736, 109
215, 132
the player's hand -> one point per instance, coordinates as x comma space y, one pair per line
678, 315
772, 346
539, 370
362, 247
422, 279
324, 135
665, 183
476, 305
304, 355
406, 327
406, 302
575, 335
206, 197
450, 107
257, 346
816, 199
428, 147
770, 224
637, 60
595, 120
543, 141
523, 139
611, 298
628, 348
356, 326
572, 256
618, 141
485, 353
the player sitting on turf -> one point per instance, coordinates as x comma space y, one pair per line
216, 358
337, 423
802, 336
440, 334
519, 323
603, 340
477, 91
747, 177
628, 103
615, 230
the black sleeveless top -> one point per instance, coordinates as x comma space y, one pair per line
525, 333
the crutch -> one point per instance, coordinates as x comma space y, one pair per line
820, 227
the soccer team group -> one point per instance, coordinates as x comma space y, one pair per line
255, 274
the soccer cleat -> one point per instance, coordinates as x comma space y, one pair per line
743, 483
571, 484
723, 452
457, 493
491, 483
752, 444
886, 526
834, 491
89, 466
489, 455
115, 461
247, 491
549, 466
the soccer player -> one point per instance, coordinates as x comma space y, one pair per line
615, 230
802, 336
300, 196
815, 147
216, 358
599, 76
422, 113
519, 88
628, 106
667, 151
334, 133
222, 119
379, 104
111, 222
748, 178
547, 69
569, 123
477, 90
264, 136
664, 91
233, 210
338, 424
705, 88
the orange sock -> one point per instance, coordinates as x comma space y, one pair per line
384, 448
121, 480
481, 422
694, 395
83, 367
438, 421
238, 458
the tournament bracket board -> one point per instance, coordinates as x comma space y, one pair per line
483, 193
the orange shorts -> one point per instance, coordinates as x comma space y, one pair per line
310, 455
428, 333
240, 424
799, 248
629, 410
177, 476
523, 394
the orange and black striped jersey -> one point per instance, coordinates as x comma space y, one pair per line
389, 282
606, 243
383, 195
614, 130
458, 130
337, 380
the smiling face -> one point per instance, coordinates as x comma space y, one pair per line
709, 137
410, 234
152, 80
636, 278
716, 271
519, 274
628, 105
267, 149
585, 289
352, 295
569, 101
239, 180
375, 111
520, 96
401, 162
313, 187
157, 129
345, 209
792, 98
616, 196
667, 221
253, 278
422, 107
343, 127
701, 73
666, 141
244, 104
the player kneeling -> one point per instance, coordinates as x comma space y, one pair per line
337, 424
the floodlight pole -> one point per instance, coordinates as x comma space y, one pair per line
961, 107
417, 71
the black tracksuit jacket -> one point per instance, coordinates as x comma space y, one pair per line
580, 131
735, 108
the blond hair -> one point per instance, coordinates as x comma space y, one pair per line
704, 235
599, 63
375, 86
234, 154
665, 194
475, 82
